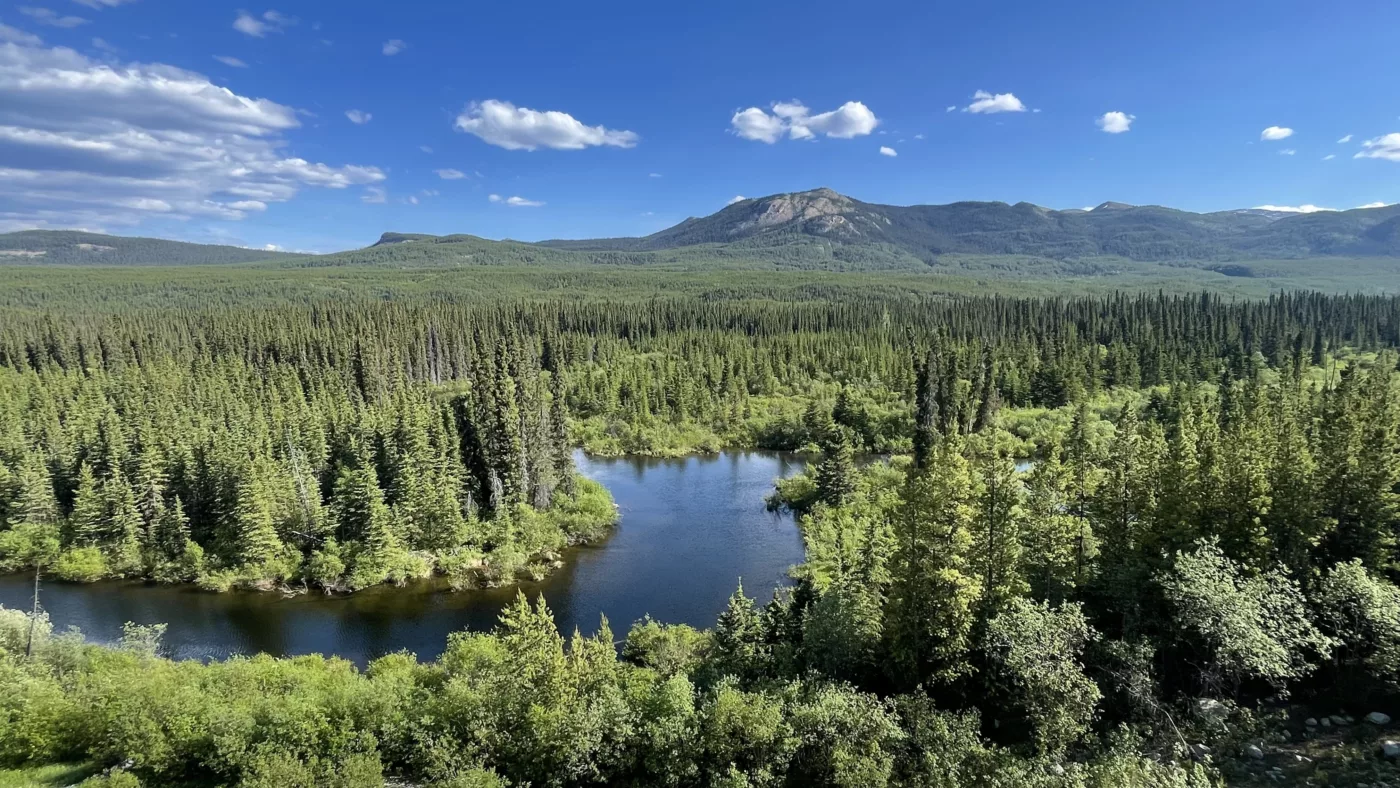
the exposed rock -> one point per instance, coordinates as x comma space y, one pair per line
1311, 722
1378, 718
1338, 720
1212, 710
1199, 751
1390, 749
1254, 751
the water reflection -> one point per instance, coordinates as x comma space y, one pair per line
691, 528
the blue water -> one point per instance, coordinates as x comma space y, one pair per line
690, 529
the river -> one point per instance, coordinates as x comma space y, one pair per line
690, 529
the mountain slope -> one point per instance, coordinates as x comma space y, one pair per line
69, 247
1143, 233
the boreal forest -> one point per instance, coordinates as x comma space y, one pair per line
1137, 539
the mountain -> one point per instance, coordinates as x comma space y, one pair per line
1114, 230
823, 230
69, 247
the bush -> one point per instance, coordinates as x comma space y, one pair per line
81, 565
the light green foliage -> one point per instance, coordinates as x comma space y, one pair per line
667, 648
1361, 614
1038, 649
1250, 627
81, 565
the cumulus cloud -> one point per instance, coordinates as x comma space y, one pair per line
736, 198
410, 200
357, 117
852, 119
1288, 152
259, 27
425, 149
884, 151
230, 61
1344, 140
394, 46
755, 124
87, 143
1329, 157
47, 16
1115, 122
1386, 147
515, 202
505, 125
374, 195
450, 174
951, 108
1275, 133
984, 103
1375, 205
653, 175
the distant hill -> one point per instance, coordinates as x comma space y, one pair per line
1116, 230
824, 230
68, 247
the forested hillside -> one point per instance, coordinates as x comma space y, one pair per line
1201, 553
70, 247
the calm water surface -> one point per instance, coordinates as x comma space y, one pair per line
690, 529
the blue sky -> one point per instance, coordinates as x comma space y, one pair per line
319, 125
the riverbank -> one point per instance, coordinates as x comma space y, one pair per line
526, 545
689, 530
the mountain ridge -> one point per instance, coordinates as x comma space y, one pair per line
76, 247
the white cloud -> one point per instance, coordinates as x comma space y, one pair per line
98, 5
984, 103
951, 108
755, 124
88, 143
1318, 209
918, 136
425, 149
1344, 140
450, 174
394, 46
16, 36
259, 27
357, 117
653, 175
271, 248
1275, 133
736, 198
1386, 147
852, 119
884, 151
1288, 152
1294, 208
102, 44
230, 61
1329, 157
374, 195
431, 192
505, 125
410, 200
515, 202
1115, 122
46, 16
